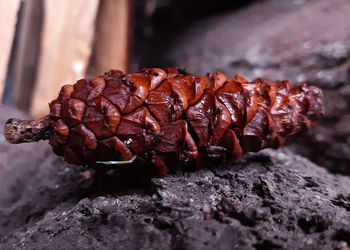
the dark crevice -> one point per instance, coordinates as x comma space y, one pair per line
342, 235
342, 201
312, 225
191, 130
310, 182
35, 216
262, 190
266, 244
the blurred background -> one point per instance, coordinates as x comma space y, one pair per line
48, 43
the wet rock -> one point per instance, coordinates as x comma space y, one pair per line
296, 40
272, 199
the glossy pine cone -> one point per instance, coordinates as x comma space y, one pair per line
171, 118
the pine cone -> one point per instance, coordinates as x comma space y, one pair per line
171, 117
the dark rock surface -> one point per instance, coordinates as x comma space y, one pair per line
272, 199
295, 40
32, 179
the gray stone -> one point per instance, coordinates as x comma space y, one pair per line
32, 179
295, 40
271, 199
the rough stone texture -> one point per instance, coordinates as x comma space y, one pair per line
32, 179
272, 199
296, 40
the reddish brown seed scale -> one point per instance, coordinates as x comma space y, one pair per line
169, 118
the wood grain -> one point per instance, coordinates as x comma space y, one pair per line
28, 52
66, 45
8, 19
112, 36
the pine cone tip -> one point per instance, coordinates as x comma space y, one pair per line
11, 132
21, 131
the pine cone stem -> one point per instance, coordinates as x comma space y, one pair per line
22, 131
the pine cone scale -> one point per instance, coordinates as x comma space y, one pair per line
170, 117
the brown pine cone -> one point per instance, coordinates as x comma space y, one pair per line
170, 117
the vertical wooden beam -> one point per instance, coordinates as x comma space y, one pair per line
8, 18
28, 51
112, 42
66, 45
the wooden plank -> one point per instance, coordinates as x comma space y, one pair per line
112, 42
27, 57
8, 19
66, 45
